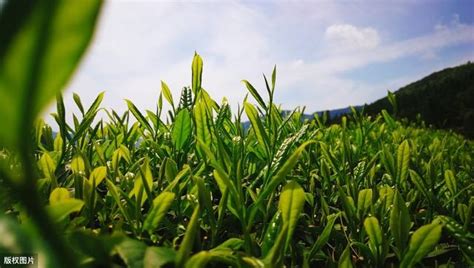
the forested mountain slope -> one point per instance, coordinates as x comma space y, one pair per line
444, 99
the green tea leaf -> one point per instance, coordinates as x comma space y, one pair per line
400, 222
167, 93
465, 239
132, 252
48, 166
98, 175
257, 127
374, 232
121, 153
181, 129
364, 201
114, 192
139, 116
345, 261
59, 195
325, 234
388, 119
291, 204
78, 165
58, 144
196, 68
450, 181
273, 78
271, 233
393, 101
282, 172
60, 210
143, 182
419, 184
199, 260
187, 244
201, 119
88, 118
231, 243
422, 242
255, 94
161, 205
275, 256
403, 158
77, 100
158, 257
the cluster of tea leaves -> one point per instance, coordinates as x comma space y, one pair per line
199, 190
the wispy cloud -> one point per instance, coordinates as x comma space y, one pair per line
349, 37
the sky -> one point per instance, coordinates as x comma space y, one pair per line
328, 54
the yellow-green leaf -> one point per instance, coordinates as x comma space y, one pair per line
403, 158
181, 129
399, 222
201, 118
143, 182
291, 204
187, 244
196, 69
98, 175
450, 181
374, 232
60, 210
167, 93
78, 165
422, 242
161, 204
139, 116
48, 166
282, 172
325, 234
345, 261
58, 195
364, 201
255, 94
257, 127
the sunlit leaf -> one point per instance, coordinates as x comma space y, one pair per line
422, 242
403, 158
196, 68
161, 204
291, 204
60, 210
59, 195
181, 129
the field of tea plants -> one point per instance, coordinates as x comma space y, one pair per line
192, 187
199, 190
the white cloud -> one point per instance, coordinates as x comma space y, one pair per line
346, 36
138, 44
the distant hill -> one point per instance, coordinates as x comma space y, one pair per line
335, 113
444, 99
332, 114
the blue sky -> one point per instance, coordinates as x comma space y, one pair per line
329, 54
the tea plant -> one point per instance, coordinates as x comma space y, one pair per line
191, 187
